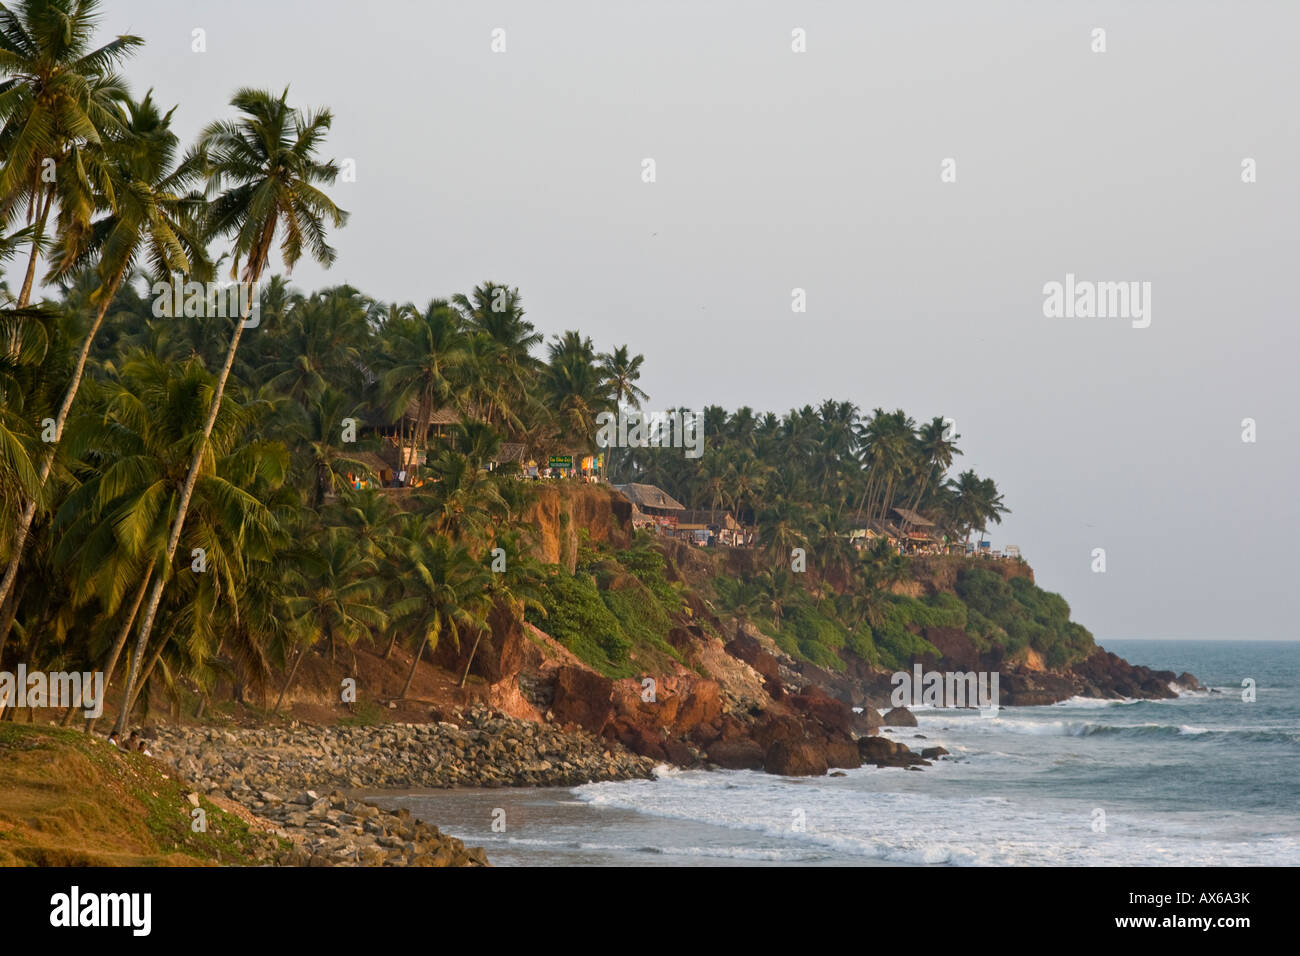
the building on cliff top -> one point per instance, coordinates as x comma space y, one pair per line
652, 507
712, 526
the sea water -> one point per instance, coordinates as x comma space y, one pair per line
1204, 779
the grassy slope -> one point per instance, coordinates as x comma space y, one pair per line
71, 800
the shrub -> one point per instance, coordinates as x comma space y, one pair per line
1019, 614
578, 618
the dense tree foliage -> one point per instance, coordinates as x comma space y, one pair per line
178, 503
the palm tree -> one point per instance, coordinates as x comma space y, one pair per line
988, 504
319, 436
713, 483
780, 530
24, 343
503, 350
425, 356
319, 346
152, 220
776, 590
517, 588
975, 502
936, 452
128, 450
264, 168
747, 479
30, 356
887, 440
621, 372
338, 602
463, 500
446, 594
575, 386
58, 101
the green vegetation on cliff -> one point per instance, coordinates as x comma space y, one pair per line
1016, 614
614, 612
869, 619
192, 534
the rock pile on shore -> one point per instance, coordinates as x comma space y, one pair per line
281, 775
481, 750
339, 831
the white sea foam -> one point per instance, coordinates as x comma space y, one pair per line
1089, 703
917, 828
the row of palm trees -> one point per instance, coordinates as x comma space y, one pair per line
177, 503
125, 462
812, 475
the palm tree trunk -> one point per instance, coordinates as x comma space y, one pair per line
302, 652
8, 611
470, 663
178, 523
148, 671
132, 696
886, 498
25, 294
123, 632
867, 490
7, 615
47, 457
414, 664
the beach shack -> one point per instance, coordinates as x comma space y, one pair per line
374, 473
510, 453
652, 507
571, 462
868, 531
404, 437
711, 526
917, 533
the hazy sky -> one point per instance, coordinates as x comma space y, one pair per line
821, 170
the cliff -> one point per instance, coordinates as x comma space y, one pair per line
558, 511
652, 645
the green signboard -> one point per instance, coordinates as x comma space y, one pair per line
560, 461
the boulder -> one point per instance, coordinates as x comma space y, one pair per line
701, 705
931, 753
867, 722
886, 753
778, 727
736, 754
800, 758
843, 754
582, 697
899, 717
749, 650
638, 738
678, 753
834, 715
729, 728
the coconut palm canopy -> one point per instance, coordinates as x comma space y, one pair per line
174, 488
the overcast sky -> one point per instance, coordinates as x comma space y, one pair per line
821, 170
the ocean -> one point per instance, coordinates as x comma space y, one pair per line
1206, 779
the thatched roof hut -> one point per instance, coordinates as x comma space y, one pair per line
649, 498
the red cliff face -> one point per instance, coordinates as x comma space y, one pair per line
561, 508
